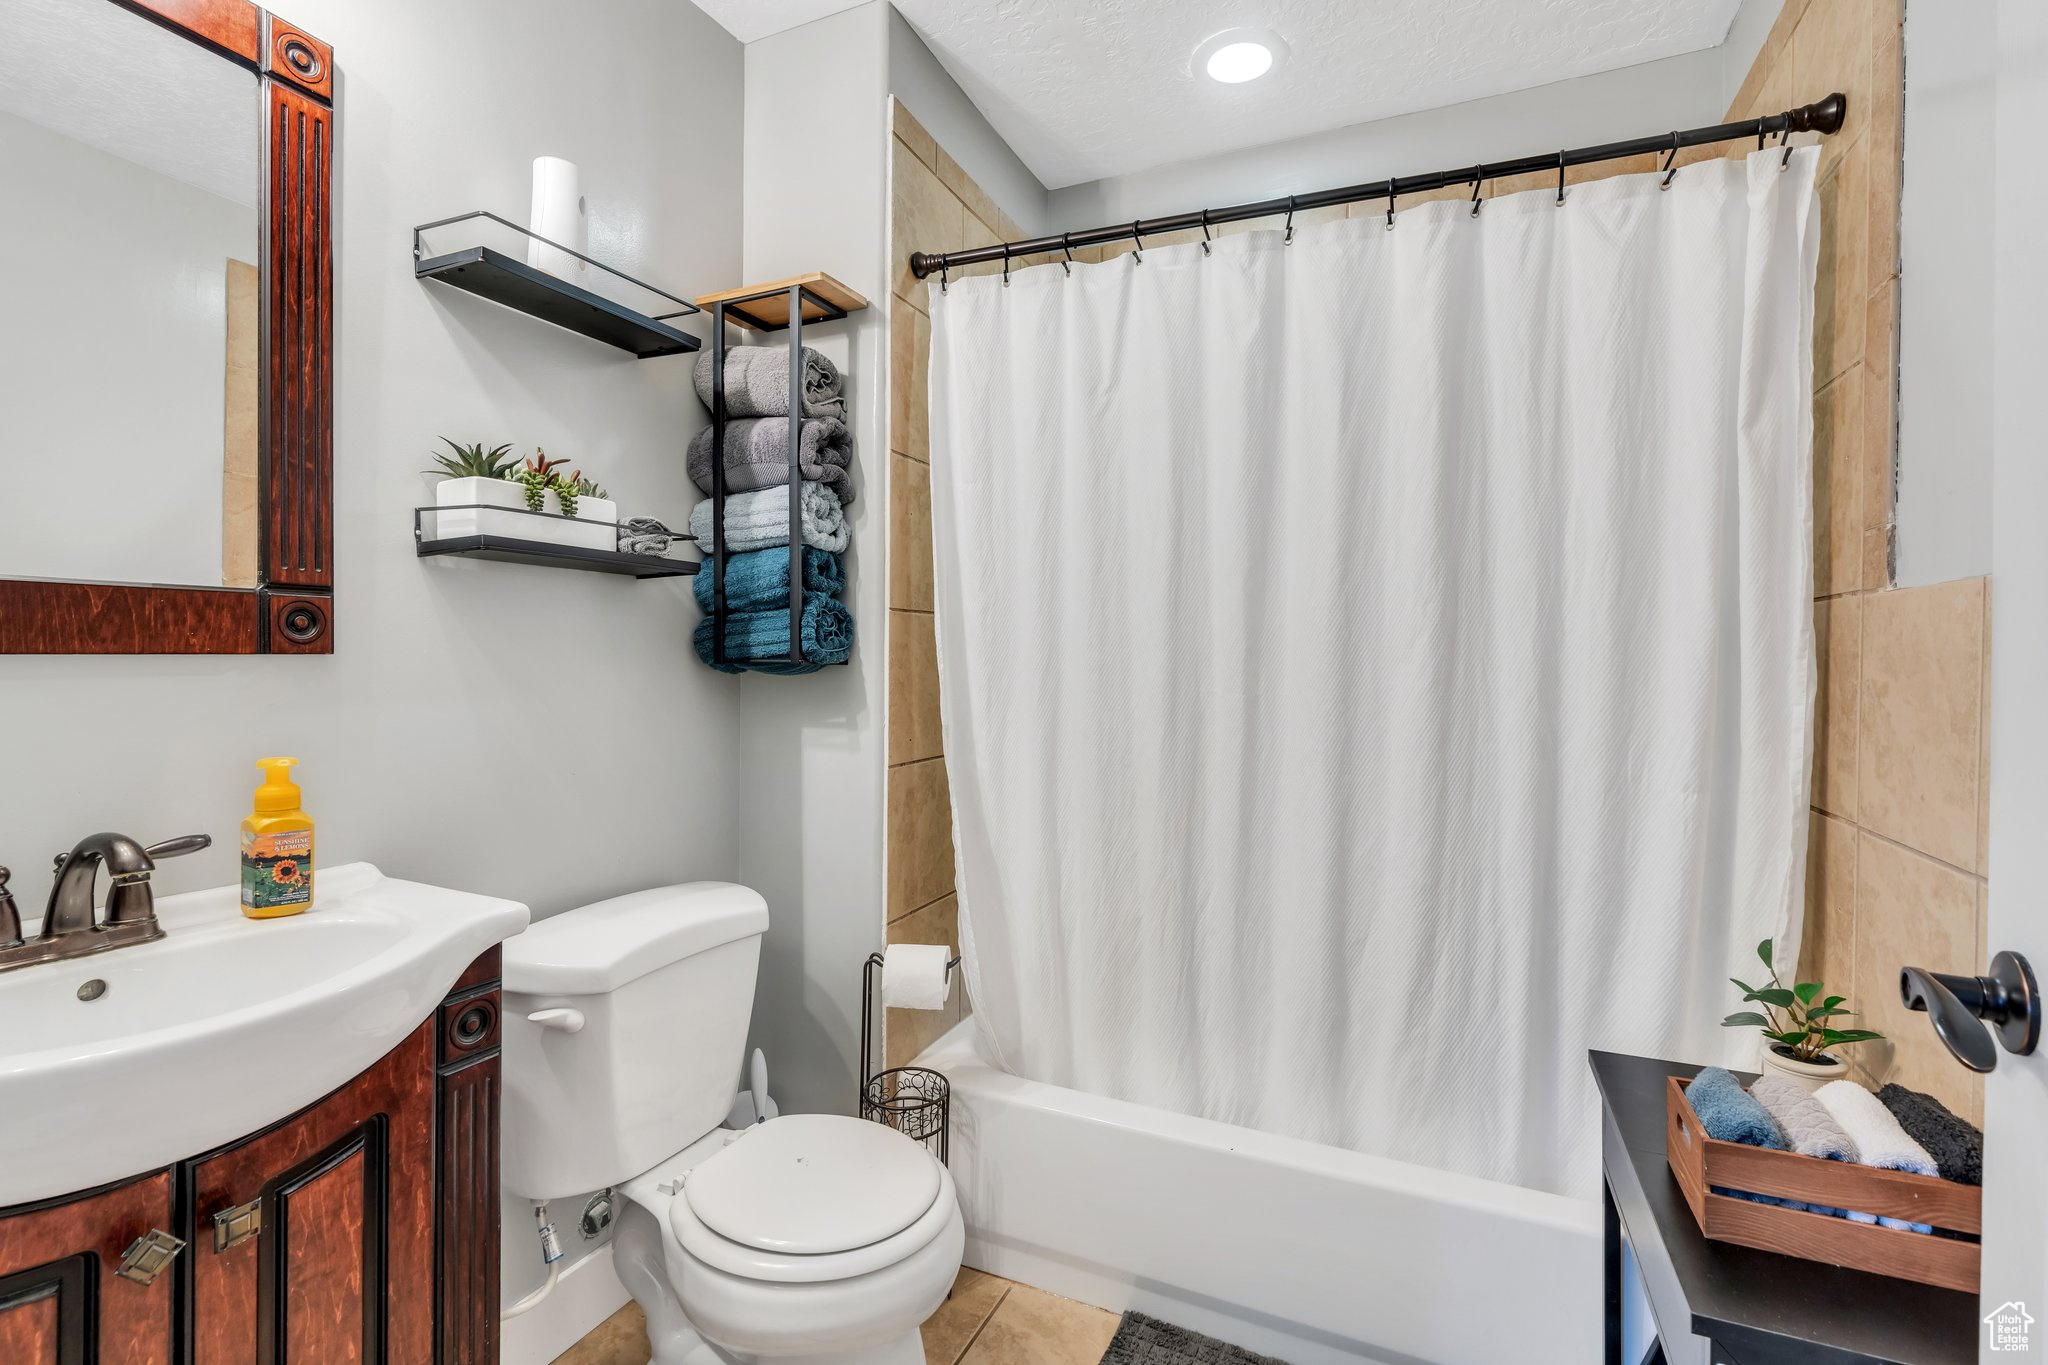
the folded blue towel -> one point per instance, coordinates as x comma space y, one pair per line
1730, 1114
759, 580
827, 637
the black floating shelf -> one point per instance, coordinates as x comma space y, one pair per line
506, 550
501, 279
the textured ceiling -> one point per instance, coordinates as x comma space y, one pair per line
1082, 89
119, 83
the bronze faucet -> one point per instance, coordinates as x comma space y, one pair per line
69, 929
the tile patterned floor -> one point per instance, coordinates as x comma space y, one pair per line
987, 1321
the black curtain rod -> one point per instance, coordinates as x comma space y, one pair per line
1824, 116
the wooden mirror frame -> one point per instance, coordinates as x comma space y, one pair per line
290, 611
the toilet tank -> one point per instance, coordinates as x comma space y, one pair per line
661, 985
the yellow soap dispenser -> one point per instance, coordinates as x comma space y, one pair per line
277, 847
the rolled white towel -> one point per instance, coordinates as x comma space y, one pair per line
1879, 1140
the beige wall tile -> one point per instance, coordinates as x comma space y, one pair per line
913, 688
1880, 398
1032, 1327
1837, 628
910, 535
1922, 701
970, 194
974, 233
924, 216
1837, 491
1885, 140
1877, 558
1984, 755
1828, 950
1841, 291
1772, 58
947, 1332
912, 133
1831, 51
910, 350
920, 835
1912, 911
909, 1032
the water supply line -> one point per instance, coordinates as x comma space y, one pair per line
550, 1255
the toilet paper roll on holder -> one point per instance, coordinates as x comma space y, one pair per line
914, 1100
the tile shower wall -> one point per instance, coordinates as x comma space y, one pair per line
932, 200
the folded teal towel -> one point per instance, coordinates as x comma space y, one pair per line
827, 636
759, 580
1730, 1114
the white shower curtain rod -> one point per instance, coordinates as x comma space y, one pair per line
1823, 116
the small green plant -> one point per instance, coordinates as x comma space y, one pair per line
537, 475
473, 461
588, 488
1795, 1017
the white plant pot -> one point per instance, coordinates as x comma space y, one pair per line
1808, 1076
514, 522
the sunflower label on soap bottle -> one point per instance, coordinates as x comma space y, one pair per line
277, 847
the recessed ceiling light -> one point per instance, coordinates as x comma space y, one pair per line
1237, 55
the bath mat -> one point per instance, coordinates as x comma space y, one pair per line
1142, 1340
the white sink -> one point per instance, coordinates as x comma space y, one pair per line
222, 1027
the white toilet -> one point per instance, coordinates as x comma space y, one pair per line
810, 1237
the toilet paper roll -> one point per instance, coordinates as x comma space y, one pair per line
914, 976
557, 216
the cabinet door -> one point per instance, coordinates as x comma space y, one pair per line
316, 1238
61, 1300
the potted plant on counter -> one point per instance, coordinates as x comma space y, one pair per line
1798, 1038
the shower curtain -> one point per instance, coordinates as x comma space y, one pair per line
1377, 668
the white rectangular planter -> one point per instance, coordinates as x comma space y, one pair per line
595, 526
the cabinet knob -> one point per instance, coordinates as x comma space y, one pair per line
147, 1257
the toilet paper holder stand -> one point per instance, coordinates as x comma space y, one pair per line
914, 1100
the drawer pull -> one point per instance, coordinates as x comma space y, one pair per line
147, 1257
232, 1227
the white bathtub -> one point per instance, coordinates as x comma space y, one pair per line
1311, 1253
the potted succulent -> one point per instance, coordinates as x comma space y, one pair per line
1798, 1037
480, 482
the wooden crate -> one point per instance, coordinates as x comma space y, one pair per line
1702, 1164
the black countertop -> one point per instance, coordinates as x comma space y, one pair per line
1776, 1307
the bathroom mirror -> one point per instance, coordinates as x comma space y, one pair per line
165, 391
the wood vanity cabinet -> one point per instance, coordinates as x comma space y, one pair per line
361, 1230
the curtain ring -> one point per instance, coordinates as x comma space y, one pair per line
1137, 242
945, 275
1287, 238
1560, 179
1392, 183
1785, 141
1006, 265
1478, 181
1205, 232
1670, 157
1067, 245
1760, 134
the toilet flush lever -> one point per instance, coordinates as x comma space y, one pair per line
567, 1020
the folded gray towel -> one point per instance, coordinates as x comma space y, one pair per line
757, 455
1809, 1127
757, 383
760, 520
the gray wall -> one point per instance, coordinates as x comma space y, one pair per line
533, 733
921, 82
812, 748
1946, 293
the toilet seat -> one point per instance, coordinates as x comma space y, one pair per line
809, 1198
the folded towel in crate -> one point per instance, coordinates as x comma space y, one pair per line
1956, 1146
757, 382
759, 580
1808, 1126
1728, 1113
757, 454
757, 520
827, 637
1880, 1141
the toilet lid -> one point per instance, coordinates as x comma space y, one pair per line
814, 1184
